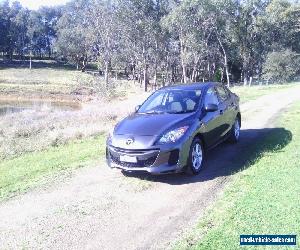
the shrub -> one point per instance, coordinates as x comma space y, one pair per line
281, 66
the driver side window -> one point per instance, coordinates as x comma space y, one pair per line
211, 97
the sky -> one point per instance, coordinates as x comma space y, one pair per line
35, 4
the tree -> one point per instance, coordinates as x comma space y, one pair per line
4, 26
72, 41
138, 31
103, 33
248, 35
281, 66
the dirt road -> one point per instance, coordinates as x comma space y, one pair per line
99, 208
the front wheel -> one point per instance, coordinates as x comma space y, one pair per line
235, 131
196, 157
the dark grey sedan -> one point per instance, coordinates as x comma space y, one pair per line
173, 128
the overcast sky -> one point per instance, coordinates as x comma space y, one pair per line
35, 4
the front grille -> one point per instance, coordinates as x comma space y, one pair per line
133, 151
145, 158
139, 164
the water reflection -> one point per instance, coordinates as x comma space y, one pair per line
9, 107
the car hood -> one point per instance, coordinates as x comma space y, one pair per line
150, 124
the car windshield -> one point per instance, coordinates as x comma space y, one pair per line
171, 101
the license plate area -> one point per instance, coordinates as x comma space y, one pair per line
127, 158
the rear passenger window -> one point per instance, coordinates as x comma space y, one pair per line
222, 93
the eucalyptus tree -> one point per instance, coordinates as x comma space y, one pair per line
15, 28
223, 26
138, 22
281, 66
4, 26
180, 23
72, 40
193, 22
249, 36
103, 32
281, 25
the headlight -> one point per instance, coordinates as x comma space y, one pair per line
173, 135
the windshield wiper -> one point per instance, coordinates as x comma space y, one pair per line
154, 112
180, 112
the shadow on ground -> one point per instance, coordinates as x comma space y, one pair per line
228, 159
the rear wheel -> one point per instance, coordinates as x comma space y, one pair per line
235, 131
196, 157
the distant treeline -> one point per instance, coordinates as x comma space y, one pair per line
161, 40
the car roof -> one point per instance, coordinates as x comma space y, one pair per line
193, 86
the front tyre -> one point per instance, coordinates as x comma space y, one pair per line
235, 131
196, 157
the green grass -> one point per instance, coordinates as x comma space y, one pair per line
250, 93
29, 170
44, 80
264, 198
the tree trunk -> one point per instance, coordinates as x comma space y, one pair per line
245, 80
145, 78
84, 64
183, 65
155, 77
225, 60
133, 74
173, 73
208, 70
227, 73
106, 74
250, 81
184, 76
77, 62
30, 61
194, 73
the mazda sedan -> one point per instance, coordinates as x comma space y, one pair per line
173, 129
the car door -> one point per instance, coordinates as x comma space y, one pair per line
225, 110
212, 120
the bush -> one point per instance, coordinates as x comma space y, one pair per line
281, 66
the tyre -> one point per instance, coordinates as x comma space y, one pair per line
196, 157
235, 131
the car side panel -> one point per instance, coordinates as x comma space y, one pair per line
212, 127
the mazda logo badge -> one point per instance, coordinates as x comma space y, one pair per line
129, 141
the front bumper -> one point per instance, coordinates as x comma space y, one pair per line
161, 160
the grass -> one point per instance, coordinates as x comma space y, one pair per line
48, 79
48, 91
262, 199
29, 170
251, 93
44, 81
33, 143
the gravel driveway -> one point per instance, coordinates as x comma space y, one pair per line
99, 208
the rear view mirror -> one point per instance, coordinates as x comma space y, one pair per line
211, 107
137, 108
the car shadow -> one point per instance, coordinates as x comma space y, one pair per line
228, 159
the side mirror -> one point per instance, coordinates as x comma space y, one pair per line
211, 107
137, 108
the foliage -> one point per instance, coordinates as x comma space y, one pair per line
156, 41
281, 66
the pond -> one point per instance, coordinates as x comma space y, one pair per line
8, 107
